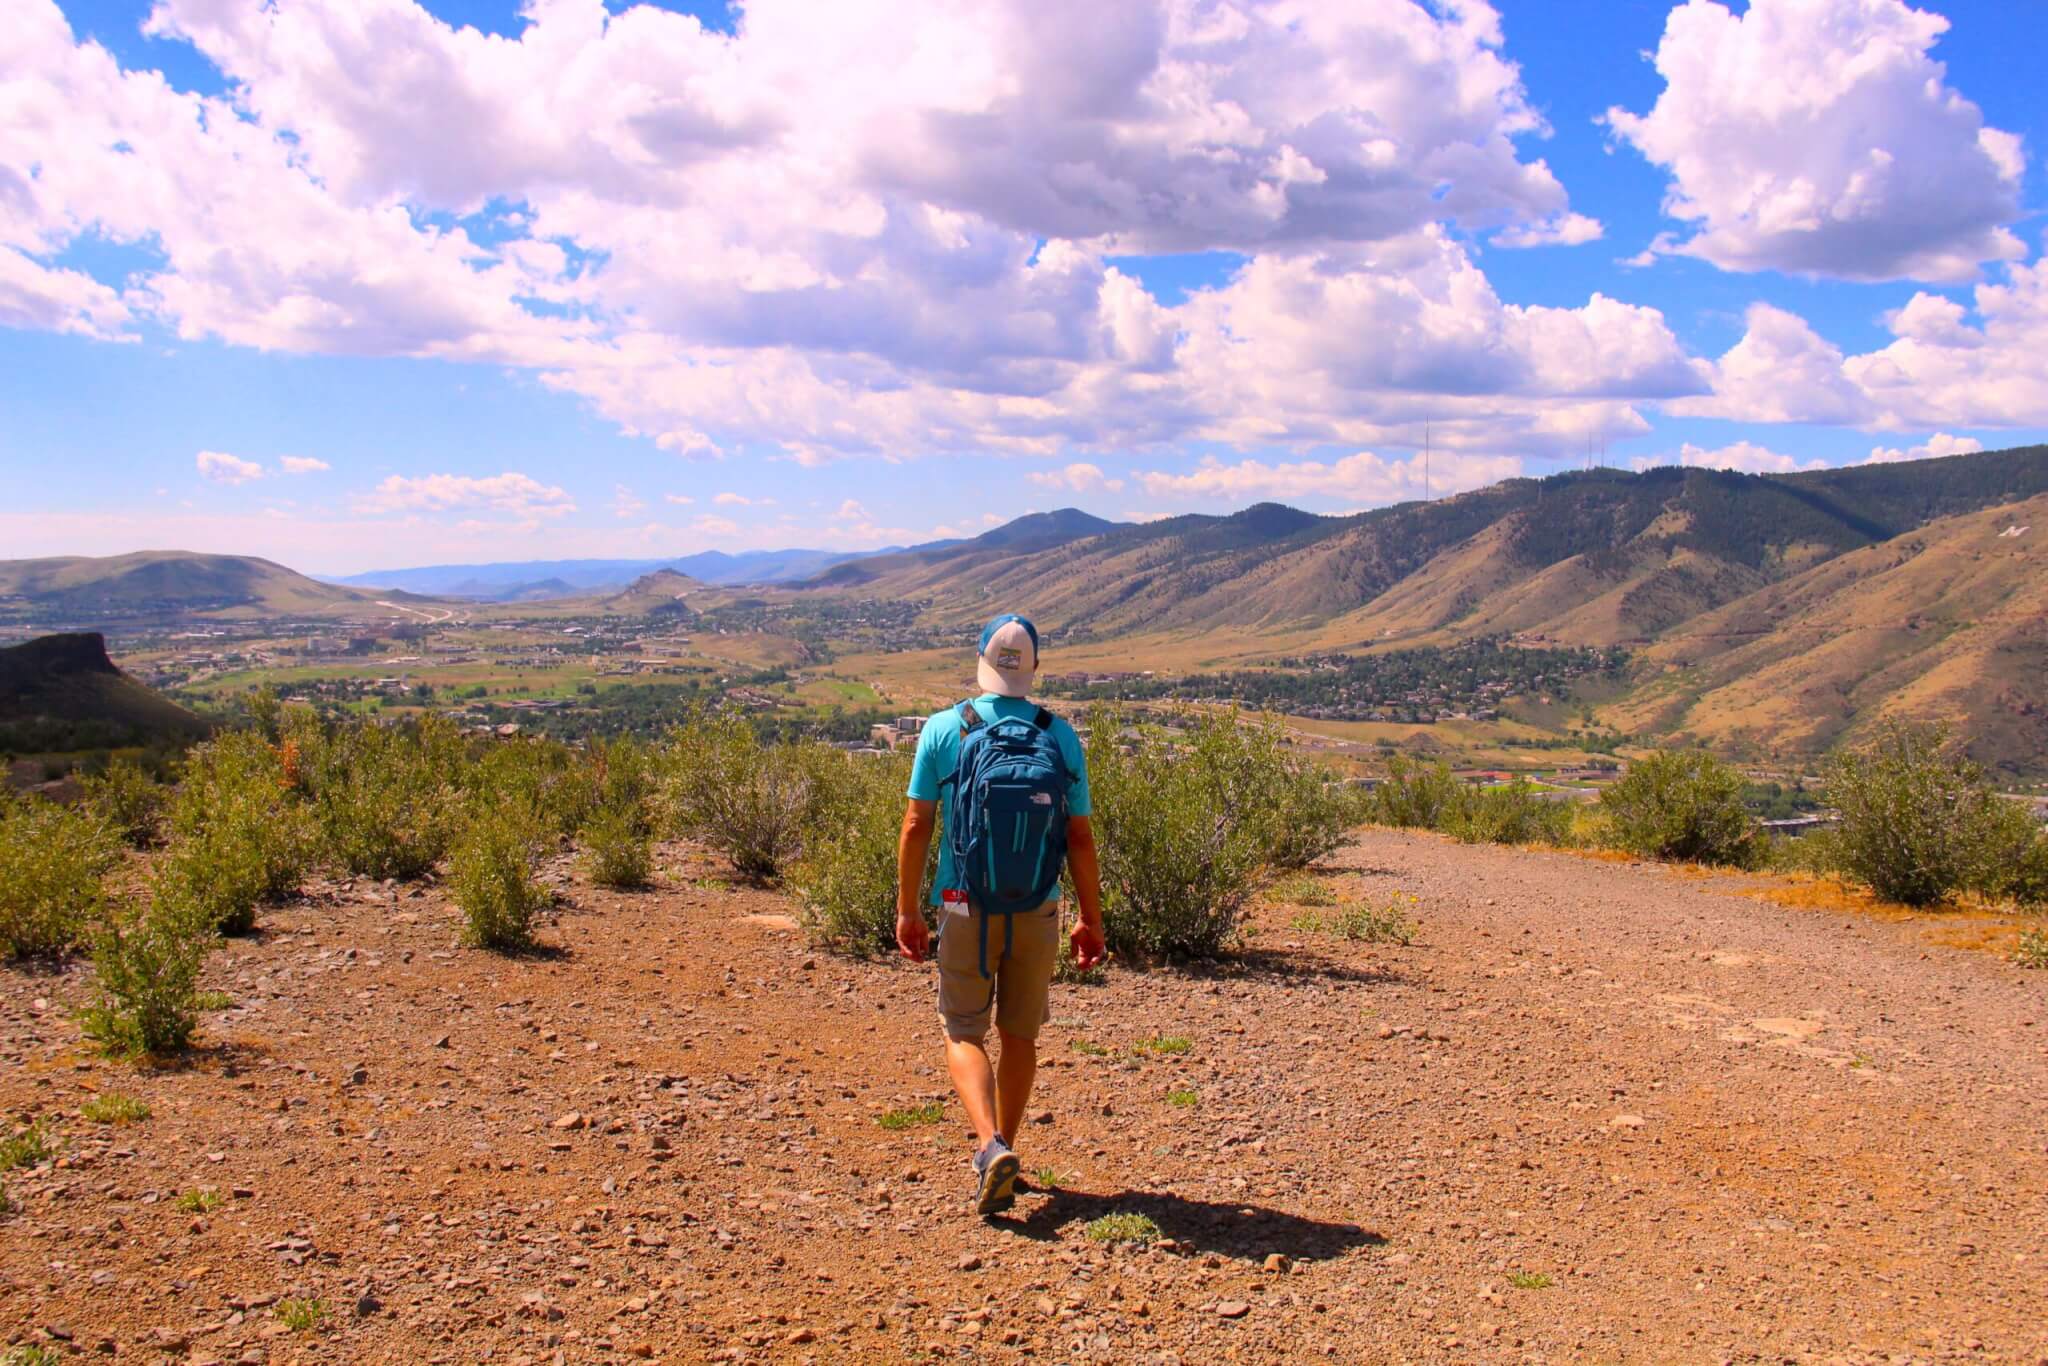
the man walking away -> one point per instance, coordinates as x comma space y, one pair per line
1014, 782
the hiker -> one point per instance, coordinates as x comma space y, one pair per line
1015, 785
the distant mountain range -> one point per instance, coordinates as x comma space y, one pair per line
1770, 613
541, 580
1767, 613
538, 580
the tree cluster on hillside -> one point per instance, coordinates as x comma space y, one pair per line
1400, 685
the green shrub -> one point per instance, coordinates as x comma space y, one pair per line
845, 880
385, 797
53, 861
617, 836
542, 777
146, 962
617, 851
1511, 813
2033, 949
1306, 812
1683, 805
1920, 822
491, 875
623, 781
128, 801
1818, 852
752, 802
1184, 822
239, 833
1418, 796
2029, 884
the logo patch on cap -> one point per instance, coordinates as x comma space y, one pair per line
1009, 657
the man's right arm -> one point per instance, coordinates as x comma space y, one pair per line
913, 936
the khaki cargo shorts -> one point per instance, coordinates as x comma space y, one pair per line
1019, 983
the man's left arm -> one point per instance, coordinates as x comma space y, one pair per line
1087, 936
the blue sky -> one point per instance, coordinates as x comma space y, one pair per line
778, 280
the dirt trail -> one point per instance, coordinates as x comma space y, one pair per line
1720, 1129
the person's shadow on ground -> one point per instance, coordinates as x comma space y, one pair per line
1231, 1230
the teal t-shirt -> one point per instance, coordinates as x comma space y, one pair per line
938, 753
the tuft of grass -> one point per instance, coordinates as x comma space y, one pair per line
1162, 1045
26, 1147
1046, 1178
2033, 949
114, 1108
301, 1316
909, 1117
1302, 889
1124, 1228
1183, 1097
213, 1000
1388, 924
1529, 1280
1088, 1047
29, 1354
199, 1202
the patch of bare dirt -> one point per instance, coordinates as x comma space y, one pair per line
1595, 1112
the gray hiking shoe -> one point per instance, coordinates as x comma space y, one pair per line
995, 1178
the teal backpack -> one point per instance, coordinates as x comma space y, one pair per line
1009, 830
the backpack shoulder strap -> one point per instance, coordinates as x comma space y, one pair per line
970, 721
1043, 720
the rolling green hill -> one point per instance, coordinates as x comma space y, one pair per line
62, 693
172, 583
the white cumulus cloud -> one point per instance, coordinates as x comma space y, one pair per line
1940, 444
1078, 477
302, 464
222, 468
1821, 137
1361, 479
818, 237
1746, 456
510, 492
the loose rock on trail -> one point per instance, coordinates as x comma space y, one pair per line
1596, 1112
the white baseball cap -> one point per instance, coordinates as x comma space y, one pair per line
1008, 656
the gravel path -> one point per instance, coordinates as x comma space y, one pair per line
1596, 1112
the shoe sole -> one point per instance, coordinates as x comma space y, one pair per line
999, 1185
